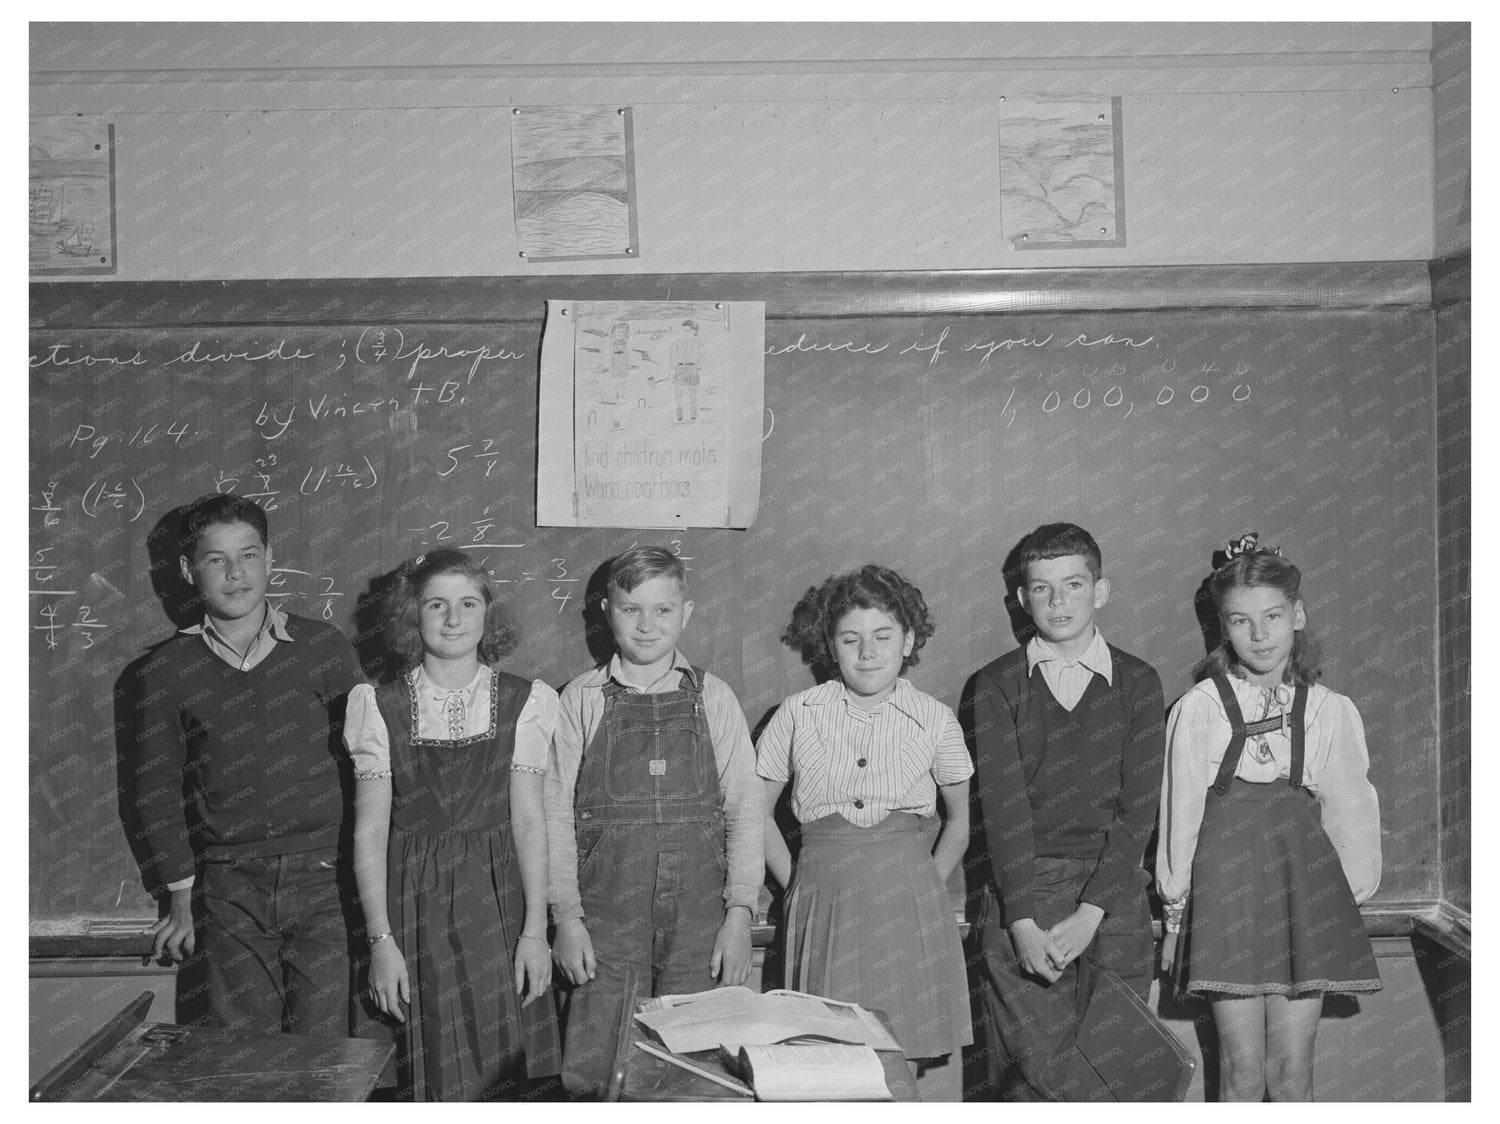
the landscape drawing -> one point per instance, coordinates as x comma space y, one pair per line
1062, 182
70, 198
574, 182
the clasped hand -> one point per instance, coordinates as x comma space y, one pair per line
1046, 953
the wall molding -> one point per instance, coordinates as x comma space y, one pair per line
788, 296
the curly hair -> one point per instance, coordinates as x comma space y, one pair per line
1262, 568
817, 614
399, 620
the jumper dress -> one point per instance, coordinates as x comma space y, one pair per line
1270, 911
869, 921
456, 905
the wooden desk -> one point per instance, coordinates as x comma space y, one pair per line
649, 1078
133, 1060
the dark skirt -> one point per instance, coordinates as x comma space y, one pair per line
1270, 912
457, 908
868, 921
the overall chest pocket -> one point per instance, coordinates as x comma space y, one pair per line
655, 758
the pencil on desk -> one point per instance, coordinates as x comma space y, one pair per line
683, 1063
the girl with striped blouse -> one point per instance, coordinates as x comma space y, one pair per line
867, 914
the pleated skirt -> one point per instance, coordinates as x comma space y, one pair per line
457, 908
868, 921
1270, 911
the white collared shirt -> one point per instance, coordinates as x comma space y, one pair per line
272, 630
1069, 679
863, 763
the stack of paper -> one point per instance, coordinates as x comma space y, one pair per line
736, 1016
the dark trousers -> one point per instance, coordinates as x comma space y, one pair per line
1030, 1025
276, 944
653, 901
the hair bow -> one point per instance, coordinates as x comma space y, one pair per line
1245, 544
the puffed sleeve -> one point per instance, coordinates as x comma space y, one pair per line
1197, 735
534, 730
365, 735
1347, 800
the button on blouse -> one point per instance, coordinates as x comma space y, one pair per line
863, 764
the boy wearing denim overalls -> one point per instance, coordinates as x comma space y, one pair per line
654, 816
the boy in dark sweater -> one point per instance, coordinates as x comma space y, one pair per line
246, 708
1069, 745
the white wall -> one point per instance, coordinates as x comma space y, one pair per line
298, 150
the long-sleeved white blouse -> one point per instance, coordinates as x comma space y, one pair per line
1335, 769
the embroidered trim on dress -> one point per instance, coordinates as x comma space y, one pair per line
411, 694
518, 768
1303, 987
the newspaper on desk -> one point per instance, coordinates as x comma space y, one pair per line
736, 1016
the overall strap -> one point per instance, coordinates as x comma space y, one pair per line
1236, 745
1299, 734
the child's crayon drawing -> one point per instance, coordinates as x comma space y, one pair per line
651, 424
573, 177
1062, 181
70, 198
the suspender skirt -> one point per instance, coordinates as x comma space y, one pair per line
1270, 911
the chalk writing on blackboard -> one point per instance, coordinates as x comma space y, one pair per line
100, 497
143, 435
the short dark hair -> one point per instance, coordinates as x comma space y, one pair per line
817, 614
215, 508
403, 605
640, 564
1058, 540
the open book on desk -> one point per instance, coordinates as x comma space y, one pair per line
824, 1072
736, 1016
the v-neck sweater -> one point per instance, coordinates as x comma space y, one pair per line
251, 759
1055, 783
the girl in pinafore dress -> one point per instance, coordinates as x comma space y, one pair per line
450, 840
1270, 833
868, 918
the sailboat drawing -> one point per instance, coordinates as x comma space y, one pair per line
46, 207
80, 242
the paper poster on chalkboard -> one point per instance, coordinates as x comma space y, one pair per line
651, 414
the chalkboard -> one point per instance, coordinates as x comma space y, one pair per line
926, 421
